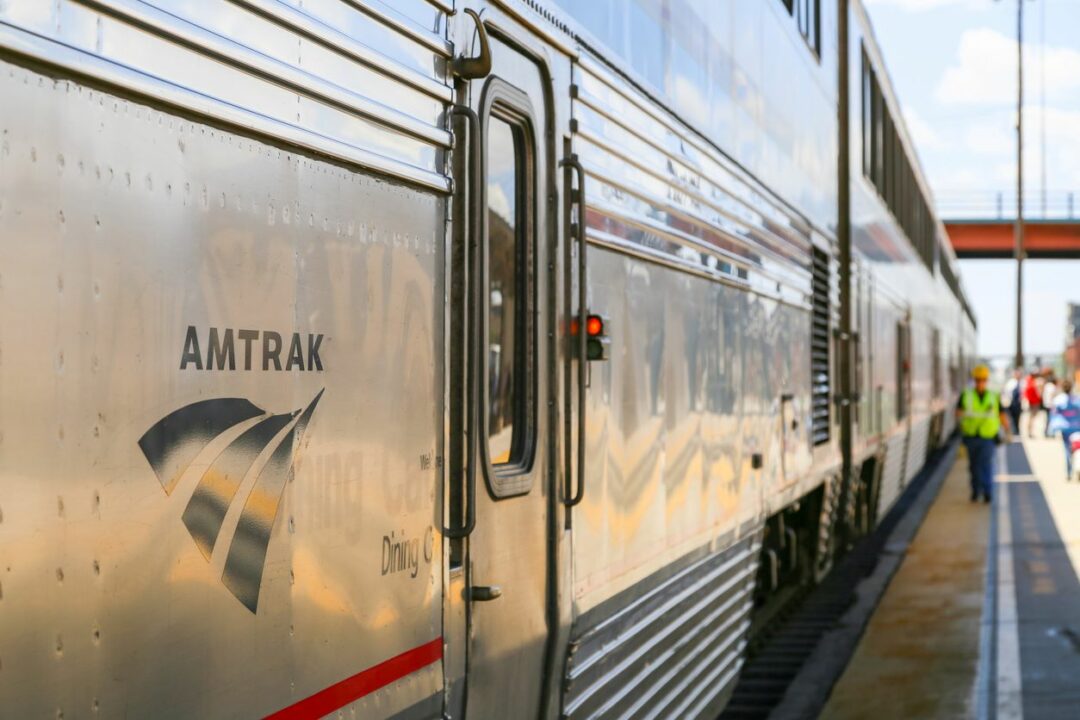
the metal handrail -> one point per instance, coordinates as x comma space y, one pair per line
1001, 205
473, 381
578, 231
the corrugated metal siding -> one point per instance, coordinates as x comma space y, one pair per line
916, 449
656, 190
672, 650
892, 473
948, 425
358, 82
820, 393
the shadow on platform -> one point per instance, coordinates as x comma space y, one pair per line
1047, 605
958, 636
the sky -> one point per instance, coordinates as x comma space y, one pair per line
953, 64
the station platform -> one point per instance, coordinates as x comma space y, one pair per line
982, 618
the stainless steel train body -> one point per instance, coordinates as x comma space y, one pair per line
294, 419
914, 332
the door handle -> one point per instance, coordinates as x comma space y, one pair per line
578, 230
485, 593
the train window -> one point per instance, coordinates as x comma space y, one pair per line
510, 288
879, 140
807, 14
890, 162
867, 117
935, 374
886, 158
888, 167
506, 291
903, 369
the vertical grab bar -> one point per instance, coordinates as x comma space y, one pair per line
475, 227
578, 231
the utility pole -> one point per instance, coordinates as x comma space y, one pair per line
847, 345
1019, 229
1042, 103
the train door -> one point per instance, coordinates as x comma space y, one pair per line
855, 354
903, 368
501, 572
870, 421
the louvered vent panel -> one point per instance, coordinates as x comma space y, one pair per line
819, 350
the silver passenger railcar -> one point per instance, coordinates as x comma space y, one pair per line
425, 358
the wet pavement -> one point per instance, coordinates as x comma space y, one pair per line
983, 617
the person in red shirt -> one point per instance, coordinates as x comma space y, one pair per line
1033, 397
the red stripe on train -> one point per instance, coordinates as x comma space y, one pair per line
363, 683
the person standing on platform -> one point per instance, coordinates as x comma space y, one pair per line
1033, 398
1065, 418
981, 418
1049, 395
1012, 400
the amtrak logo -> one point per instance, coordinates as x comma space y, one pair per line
171, 445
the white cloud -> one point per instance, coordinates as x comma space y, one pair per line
498, 201
925, 136
1062, 147
998, 140
992, 139
980, 179
986, 69
953, 178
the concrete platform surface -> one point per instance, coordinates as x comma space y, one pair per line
919, 655
1044, 520
982, 620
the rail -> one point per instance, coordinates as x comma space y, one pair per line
1001, 205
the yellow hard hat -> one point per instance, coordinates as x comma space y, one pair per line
980, 372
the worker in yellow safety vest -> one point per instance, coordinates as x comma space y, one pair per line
981, 418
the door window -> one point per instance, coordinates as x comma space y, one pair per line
903, 369
510, 345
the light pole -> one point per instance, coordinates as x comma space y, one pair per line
1018, 231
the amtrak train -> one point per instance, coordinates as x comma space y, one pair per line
446, 358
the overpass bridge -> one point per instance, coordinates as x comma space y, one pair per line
981, 224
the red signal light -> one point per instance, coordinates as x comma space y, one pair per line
594, 326
596, 347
